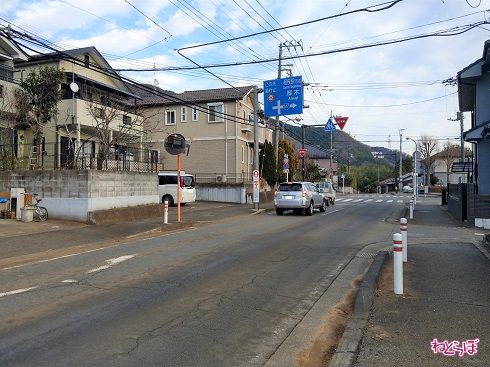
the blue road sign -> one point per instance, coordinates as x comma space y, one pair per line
329, 125
283, 96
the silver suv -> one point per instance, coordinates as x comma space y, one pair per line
301, 197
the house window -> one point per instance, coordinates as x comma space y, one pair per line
215, 112
126, 120
170, 117
195, 115
183, 114
86, 59
243, 154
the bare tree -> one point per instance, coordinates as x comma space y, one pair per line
450, 154
428, 147
117, 126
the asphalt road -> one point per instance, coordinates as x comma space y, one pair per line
225, 294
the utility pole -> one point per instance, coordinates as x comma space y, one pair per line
275, 136
400, 183
256, 132
460, 118
303, 128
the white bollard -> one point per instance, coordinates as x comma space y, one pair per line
411, 209
404, 232
397, 264
165, 212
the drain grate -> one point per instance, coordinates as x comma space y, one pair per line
367, 255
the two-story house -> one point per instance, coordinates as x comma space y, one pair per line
474, 97
97, 125
218, 124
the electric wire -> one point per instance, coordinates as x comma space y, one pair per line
441, 33
147, 17
170, 97
393, 105
368, 9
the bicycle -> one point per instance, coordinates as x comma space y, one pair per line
40, 212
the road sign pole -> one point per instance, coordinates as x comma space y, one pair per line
303, 128
178, 188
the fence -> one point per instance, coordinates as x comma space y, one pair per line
59, 156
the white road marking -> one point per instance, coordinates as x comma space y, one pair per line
17, 291
357, 200
390, 201
368, 200
348, 199
69, 281
333, 211
339, 199
379, 201
399, 201
111, 262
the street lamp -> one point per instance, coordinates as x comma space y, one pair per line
415, 170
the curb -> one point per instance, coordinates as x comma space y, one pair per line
346, 351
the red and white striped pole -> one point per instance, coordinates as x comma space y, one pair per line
397, 263
165, 212
404, 232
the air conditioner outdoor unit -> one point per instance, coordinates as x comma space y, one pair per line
220, 178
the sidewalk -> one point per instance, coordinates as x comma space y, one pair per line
446, 297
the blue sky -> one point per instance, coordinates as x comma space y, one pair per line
378, 88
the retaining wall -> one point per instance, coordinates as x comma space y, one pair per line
74, 195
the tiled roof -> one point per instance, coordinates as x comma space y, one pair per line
196, 96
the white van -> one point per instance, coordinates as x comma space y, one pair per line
167, 187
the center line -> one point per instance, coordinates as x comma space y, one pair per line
17, 291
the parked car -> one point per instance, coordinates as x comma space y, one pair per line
301, 197
167, 187
327, 189
407, 189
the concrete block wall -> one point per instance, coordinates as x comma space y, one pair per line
478, 208
74, 195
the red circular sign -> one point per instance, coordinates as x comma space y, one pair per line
301, 152
270, 97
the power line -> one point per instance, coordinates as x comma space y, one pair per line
368, 9
171, 98
392, 105
147, 17
443, 33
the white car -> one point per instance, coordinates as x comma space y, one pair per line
327, 189
167, 188
407, 189
301, 197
